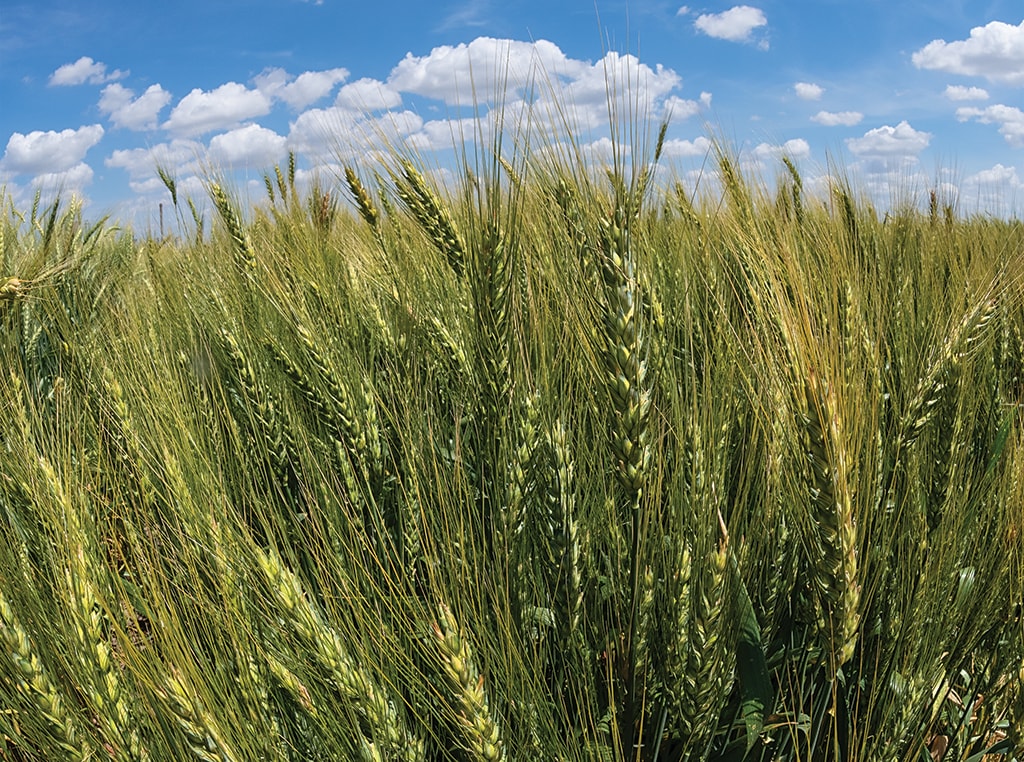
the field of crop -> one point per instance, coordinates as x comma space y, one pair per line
541, 463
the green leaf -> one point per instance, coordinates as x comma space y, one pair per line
1000, 444
1003, 747
756, 692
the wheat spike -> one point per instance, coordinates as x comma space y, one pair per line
432, 216
835, 562
711, 659
625, 364
272, 435
480, 730
245, 255
370, 699
32, 680
364, 201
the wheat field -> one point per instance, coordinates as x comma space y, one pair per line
545, 462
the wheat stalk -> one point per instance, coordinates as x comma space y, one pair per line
491, 287
674, 662
104, 691
932, 384
566, 533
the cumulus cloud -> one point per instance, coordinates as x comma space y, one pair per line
684, 149
836, 118
251, 145
994, 51
478, 71
681, 108
1009, 118
49, 152
890, 142
488, 70
315, 132
125, 110
442, 134
468, 75
808, 91
961, 93
204, 111
368, 95
636, 86
336, 132
71, 179
735, 24
176, 156
996, 175
83, 71
992, 190
301, 91
797, 148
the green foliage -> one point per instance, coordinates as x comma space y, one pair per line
562, 464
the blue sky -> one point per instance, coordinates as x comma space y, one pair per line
903, 96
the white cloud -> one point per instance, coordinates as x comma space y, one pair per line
368, 95
961, 93
797, 148
680, 149
271, 81
601, 152
317, 131
49, 152
1009, 118
442, 134
889, 142
311, 86
72, 179
302, 91
83, 71
179, 157
681, 109
808, 91
635, 87
836, 118
993, 190
994, 51
336, 132
488, 71
251, 145
201, 111
735, 24
477, 72
683, 10
997, 175
133, 113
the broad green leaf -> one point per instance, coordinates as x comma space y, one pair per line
1003, 747
756, 692
1000, 444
